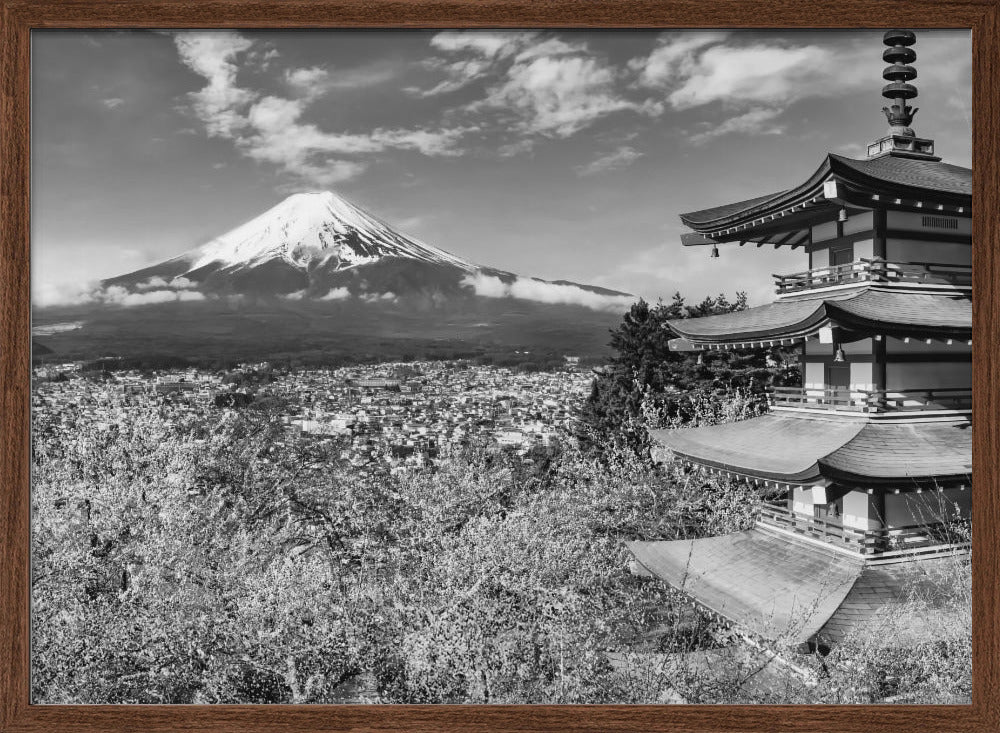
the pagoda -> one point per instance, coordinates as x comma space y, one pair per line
867, 464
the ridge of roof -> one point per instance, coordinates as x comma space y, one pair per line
925, 175
931, 175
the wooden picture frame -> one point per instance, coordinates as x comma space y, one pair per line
19, 17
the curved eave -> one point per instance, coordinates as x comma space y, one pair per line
790, 448
710, 220
921, 454
774, 447
785, 210
867, 310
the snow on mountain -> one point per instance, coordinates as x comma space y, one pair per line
310, 229
315, 246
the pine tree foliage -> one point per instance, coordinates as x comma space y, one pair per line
646, 377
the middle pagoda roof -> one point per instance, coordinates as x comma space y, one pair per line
872, 309
797, 449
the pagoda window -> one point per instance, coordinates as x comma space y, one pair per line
932, 222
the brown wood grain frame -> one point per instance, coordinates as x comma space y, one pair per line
19, 17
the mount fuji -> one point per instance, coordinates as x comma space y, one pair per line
317, 278
320, 246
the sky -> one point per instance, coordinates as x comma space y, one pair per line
560, 155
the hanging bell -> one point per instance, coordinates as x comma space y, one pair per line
715, 251
838, 355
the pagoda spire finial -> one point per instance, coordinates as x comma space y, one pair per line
900, 54
900, 140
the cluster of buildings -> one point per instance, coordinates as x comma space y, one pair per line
410, 414
397, 415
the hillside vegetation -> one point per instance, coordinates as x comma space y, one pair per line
213, 562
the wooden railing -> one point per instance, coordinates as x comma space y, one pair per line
876, 270
872, 400
907, 539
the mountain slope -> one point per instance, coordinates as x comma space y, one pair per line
315, 244
317, 277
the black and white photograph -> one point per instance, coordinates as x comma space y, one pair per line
501, 367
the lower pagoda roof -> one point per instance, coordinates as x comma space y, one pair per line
780, 589
878, 310
808, 450
773, 587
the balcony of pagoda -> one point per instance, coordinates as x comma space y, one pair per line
871, 401
876, 271
930, 538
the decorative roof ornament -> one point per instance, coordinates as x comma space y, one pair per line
900, 54
901, 140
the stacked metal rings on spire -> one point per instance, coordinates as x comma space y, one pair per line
900, 55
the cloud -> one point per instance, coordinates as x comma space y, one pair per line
311, 82
754, 82
673, 56
278, 136
759, 121
159, 283
334, 294
51, 295
544, 292
623, 157
491, 44
543, 84
387, 297
509, 150
113, 102
92, 293
270, 129
213, 55
120, 296
557, 96
337, 294
483, 50
756, 74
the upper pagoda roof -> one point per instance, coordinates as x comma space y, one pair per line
805, 449
888, 177
884, 311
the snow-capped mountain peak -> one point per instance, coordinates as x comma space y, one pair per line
320, 247
310, 229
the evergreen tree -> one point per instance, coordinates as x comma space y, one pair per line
645, 370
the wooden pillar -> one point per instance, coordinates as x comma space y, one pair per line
878, 507
878, 363
879, 245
